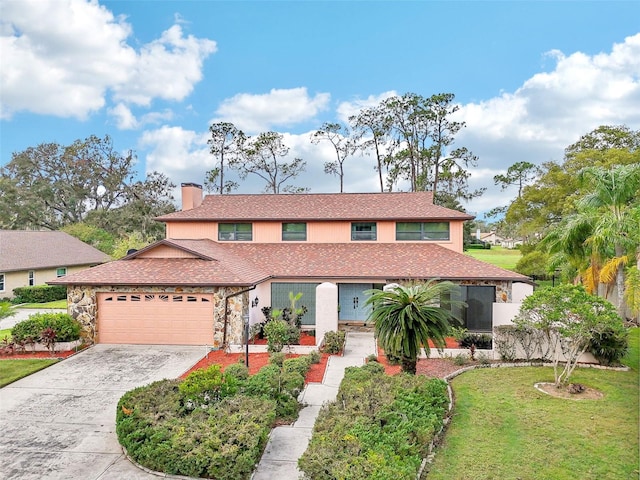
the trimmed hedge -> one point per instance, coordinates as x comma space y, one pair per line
39, 294
379, 427
66, 327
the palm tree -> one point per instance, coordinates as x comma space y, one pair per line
603, 236
407, 317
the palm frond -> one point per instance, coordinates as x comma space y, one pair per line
610, 268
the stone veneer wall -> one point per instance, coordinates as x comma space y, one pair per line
503, 288
83, 306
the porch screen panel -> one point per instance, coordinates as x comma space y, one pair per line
280, 298
479, 314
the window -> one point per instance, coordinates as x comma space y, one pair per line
363, 231
422, 231
294, 231
32, 278
235, 231
1, 282
61, 272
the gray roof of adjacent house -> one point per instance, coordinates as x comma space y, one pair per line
35, 250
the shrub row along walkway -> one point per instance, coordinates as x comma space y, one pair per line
287, 443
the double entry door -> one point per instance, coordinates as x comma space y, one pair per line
352, 299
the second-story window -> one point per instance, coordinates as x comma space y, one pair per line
61, 272
422, 231
363, 231
294, 232
32, 278
235, 231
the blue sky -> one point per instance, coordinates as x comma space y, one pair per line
530, 77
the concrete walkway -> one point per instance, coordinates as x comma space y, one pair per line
287, 443
24, 313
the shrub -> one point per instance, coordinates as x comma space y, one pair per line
239, 371
505, 341
204, 387
277, 358
460, 359
334, 342
372, 358
277, 333
299, 364
39, 294
6, 310
222, 442
479, 340
378, 428
609, 344
314, 356
66, 328
373, 367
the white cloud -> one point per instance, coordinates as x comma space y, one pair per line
255, 113
550, 111
124, 118
62, 58
353, 107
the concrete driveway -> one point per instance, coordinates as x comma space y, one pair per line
59, 423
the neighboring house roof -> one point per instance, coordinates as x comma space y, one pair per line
34, 250
319, 206
248, 264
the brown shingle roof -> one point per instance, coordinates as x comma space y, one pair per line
248, 264
30, 250
319, 206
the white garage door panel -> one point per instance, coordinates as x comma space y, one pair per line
155, 319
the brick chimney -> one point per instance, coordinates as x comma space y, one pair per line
191, 195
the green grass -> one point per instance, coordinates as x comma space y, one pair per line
502, 428
498, 256
632, 358
12, 370
5, 333
55, 304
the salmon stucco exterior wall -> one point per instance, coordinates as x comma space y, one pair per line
83, 306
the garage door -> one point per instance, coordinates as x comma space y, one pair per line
155, 319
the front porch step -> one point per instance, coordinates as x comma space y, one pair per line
356, 327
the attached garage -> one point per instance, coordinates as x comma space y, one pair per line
155, 318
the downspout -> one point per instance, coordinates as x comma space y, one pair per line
226, 312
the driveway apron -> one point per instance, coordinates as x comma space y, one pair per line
59, 423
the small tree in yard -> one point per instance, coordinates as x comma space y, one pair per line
407, 317
569, 318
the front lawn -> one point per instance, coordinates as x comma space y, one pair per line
12, 370
498, 256
503, 428
5, 333
54, 304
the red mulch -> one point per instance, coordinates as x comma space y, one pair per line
256, 362
305, 339
33, 355
431, 367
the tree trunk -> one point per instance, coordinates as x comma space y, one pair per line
409, 365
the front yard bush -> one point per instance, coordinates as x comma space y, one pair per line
66, 328
39, 294
379, 427
212, 424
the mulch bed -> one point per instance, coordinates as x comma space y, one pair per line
431, 367
256, 362
35, 355
305, 339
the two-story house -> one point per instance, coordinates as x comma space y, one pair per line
227, 256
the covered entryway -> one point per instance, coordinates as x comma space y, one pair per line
155, 318
352, 299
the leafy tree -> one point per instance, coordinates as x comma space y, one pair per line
603, 236
407, 317
569, 318
545, 203
535, 263
263, 156
91, 235
226, 145
520, 174
51, 186
134, 241
344, 146
371, 128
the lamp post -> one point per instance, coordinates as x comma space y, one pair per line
245, 317
553, 278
